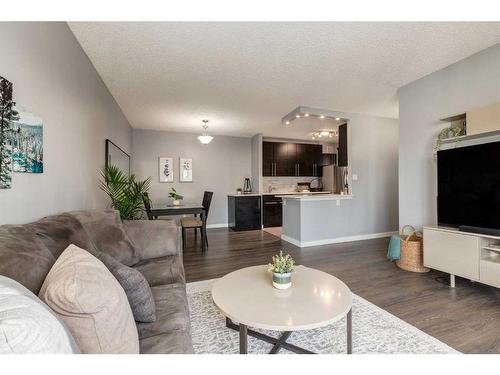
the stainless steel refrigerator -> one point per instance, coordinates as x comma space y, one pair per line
335, 179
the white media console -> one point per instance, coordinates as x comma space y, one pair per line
470, 255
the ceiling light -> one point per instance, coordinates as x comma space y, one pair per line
205, 138
287, 122
322, 117
298, 116
337, 118
324, 133
306, 115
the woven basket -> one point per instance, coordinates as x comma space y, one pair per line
412, 253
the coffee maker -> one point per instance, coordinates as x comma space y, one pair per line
247, 186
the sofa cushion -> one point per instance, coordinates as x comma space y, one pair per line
154, 238
57, 232
136, 288
105, 229
28, 326
175, 342
172, 311
81, 290
23, 257
164, 270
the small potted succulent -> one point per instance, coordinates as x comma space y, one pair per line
282, 268
176, 197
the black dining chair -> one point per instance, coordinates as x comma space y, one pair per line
196, 222
147, 206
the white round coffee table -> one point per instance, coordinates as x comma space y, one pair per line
314, 300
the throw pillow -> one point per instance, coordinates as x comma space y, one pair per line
107, 232
136, 287
27, 326
86, 296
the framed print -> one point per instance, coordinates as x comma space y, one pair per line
166, 169
185, 170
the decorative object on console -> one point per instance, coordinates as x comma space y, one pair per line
127, 195
411, 253
27, 143
450, 132
176, 197
8, 114
282, 268
205, 138
166, 169
186, 170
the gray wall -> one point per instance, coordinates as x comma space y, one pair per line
373, 156
221, 166
469, 83
54, 79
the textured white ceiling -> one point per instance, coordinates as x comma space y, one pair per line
244, 77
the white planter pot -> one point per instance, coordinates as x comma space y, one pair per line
176, 202
282, 280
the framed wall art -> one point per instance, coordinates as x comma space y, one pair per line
166, 169
27, 143
185, 170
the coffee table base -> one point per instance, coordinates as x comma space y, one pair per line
280, 342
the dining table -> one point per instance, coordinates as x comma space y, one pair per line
184, 209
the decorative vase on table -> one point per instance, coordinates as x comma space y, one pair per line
282, 268
282, 280
176, 202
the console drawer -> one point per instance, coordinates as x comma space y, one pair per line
455, 253
489, 271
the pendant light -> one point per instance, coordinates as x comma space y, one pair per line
205, 138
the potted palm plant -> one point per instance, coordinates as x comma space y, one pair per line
126, 193
176, 197
282, 268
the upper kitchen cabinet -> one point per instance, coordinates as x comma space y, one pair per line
342, 150
291, 159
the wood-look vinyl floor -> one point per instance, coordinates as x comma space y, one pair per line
467, 318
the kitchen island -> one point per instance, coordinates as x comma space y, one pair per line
312, 220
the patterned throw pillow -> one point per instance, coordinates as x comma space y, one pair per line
28, 326
87, 297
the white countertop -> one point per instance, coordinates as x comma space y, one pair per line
244, 195
278, 193
321, 197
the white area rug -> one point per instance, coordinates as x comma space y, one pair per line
374, 331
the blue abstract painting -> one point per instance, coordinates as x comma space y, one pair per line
27, 143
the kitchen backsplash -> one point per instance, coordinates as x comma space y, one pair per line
283, 184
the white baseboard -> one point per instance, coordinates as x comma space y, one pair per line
328, 241
222, 225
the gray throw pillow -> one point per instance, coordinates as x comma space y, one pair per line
136, 287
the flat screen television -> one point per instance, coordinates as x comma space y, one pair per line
469, 187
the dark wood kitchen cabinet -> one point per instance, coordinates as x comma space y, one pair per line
291, 159
342, 149
272, 211
244, 212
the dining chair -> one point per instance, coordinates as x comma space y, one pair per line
196, 222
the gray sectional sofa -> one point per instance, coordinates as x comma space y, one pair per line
27, 253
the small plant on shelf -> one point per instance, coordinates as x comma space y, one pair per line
282, 268
447, 133
176, 197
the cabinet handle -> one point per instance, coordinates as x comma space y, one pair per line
274, 169
298, 169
